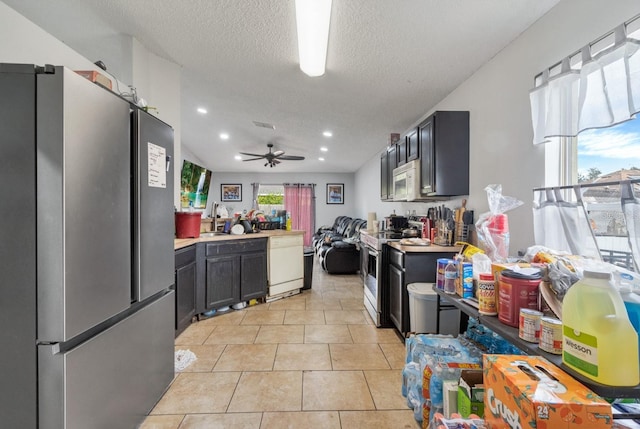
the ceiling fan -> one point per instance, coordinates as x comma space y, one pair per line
273, 158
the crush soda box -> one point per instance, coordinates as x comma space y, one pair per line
529, 392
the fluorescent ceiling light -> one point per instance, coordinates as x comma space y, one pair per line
313, 18
224, 136
327, 134
321, 159
202, 110
324, 149
238, 157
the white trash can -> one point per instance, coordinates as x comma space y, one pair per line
423, 314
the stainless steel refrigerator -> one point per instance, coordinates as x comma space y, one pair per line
86, 208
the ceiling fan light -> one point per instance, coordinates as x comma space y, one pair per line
313, 19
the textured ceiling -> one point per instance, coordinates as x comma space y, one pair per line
389, 62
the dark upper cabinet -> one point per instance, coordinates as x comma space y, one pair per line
425, 138
384, 182
401, 149
413, 146
444, 154
388, 161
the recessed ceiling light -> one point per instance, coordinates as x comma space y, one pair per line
238, 157
324, 149
327, 134
202, 110
321, 159
224, 136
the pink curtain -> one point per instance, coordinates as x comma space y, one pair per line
299, 202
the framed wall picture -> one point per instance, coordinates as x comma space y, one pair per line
335, 193
230, 192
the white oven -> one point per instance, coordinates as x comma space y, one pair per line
375, 295
406, 181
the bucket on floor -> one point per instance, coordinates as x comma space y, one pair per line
188, 224
308, 267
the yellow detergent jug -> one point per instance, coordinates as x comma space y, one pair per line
599, 341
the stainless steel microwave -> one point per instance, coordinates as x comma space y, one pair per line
406, 181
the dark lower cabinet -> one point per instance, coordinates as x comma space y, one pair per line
403, 269
217, 274
396, 282
186, 285
223, 281
253, 276
235, 271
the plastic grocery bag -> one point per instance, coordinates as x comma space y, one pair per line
493, 227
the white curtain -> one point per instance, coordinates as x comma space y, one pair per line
602, 219
605, 91
255, 188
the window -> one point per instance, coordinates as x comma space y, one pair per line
600, 156
610, 152
271, 199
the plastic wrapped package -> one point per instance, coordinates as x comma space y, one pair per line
442, 370
423, 350
493, 227
417, 345
438, 368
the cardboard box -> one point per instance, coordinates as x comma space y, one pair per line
95, 77
529, 392
471, 394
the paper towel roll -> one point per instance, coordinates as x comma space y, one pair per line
371, 219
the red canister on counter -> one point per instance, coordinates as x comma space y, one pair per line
517, 290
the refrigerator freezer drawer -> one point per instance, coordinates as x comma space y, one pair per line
115, 378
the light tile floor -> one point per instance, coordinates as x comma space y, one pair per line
314, 360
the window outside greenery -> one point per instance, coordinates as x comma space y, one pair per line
271, 199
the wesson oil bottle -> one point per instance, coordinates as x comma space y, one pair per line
599, 341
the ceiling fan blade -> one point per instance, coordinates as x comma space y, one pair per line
275, 161
291, 157
278, 153
253, 159
251, 154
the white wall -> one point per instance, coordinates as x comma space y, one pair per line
25, 42
325, 213
157, 80
497, 96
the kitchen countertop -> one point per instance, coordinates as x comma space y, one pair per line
179, 243
424, 249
